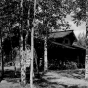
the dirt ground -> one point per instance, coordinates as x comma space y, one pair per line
53, 79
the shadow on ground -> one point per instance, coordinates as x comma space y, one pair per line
41, 82
77, 74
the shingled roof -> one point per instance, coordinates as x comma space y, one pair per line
60, 34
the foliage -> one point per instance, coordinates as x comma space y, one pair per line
9, 15
54, 12
9, 12
51, 14
71, 65
63, 66
82, 41
78, 9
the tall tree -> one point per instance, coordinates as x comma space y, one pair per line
2, 63
23, 54
5, 18
12, 13
86, 62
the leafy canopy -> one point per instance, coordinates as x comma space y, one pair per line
49, 13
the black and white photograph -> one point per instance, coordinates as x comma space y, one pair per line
43, 43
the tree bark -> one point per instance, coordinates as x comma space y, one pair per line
45, 44
23, 63
2, 62
22, 50
45, 54
86, 67
32, 48
32, 57
86, 59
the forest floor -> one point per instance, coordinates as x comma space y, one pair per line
52, 79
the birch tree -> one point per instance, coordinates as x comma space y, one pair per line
86, 58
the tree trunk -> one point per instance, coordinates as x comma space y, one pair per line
32, 57
22, 50
86, 67
45, 54
86, 59
32, 48
2, 62
23, 63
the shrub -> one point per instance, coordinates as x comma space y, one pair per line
63, 66
71, 65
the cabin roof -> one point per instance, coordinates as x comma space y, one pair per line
60, 34
67, 46
78, 46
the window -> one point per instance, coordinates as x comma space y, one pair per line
66, 41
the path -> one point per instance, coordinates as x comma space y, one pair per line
54, 79
67, 79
